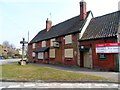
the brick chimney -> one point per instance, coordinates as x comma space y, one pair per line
48, 24
82, 10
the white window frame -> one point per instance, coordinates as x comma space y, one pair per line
52, 53
43, 43
33, 45
51, 42
68, 39
33, 54
68, 53
40, 55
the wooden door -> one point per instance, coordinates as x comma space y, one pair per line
87, 62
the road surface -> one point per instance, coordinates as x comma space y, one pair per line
57, 85
6, 61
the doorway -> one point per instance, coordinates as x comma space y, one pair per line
87, 58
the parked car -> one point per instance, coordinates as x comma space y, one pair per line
1, 57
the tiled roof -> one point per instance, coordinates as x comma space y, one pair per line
67, 27
102, 27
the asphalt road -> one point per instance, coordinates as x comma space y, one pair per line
6, 61
38, 85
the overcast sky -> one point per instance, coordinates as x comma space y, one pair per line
17, 17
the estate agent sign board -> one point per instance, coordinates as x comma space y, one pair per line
108, 48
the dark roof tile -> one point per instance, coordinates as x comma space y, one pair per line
67, 27
103, 26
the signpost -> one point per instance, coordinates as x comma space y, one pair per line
23, 62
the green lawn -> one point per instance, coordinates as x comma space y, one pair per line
32, 72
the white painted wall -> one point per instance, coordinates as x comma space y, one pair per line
85, 26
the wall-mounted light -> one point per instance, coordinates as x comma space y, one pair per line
81, 46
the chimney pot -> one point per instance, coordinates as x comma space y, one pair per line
48, 24
82, 10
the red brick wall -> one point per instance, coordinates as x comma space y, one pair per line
59, 52
72, 61
39, 45
107, 64
48, 43
60, 58
30, 52
51, 60
75, 47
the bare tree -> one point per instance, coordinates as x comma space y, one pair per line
6, 44
12, 46
11, 49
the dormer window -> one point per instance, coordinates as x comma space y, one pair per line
43, 43
68, 39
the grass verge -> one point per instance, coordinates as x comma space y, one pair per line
32, 72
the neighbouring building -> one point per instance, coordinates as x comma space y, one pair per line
99, 43
74, 41
6, 52
3, 51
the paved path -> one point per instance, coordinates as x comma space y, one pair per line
56, 85
105, 74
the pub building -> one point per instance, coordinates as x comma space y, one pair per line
83, 40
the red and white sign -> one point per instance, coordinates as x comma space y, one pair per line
108, 48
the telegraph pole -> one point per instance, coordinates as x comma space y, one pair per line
28, 36
28, 48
